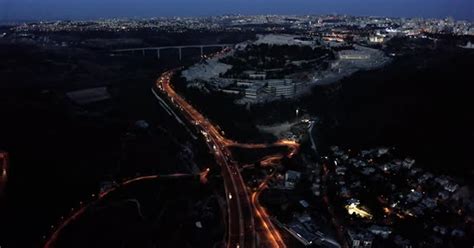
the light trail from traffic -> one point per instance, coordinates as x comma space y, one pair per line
76, 214
241, 230
271, 160
271, 232
293, 146
241, 234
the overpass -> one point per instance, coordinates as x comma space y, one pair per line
179, 48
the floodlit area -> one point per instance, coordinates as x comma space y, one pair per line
256, 85
358, 210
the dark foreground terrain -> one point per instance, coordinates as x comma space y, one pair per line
421, 103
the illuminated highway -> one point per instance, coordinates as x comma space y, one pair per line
241, 228
241, 209
271, 234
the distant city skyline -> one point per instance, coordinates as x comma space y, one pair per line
11, 10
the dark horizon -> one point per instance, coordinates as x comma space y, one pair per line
23, 10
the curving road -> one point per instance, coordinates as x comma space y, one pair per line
272, 236
241, 228
241, 209
51, 241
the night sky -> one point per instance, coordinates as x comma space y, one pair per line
91, 9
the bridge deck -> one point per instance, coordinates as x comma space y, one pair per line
171, 47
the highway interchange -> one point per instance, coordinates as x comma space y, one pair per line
248, 223
243, 208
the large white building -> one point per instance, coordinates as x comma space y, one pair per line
253, 92
265, 90
353, 55
282, 88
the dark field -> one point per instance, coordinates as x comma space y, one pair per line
160, 211
60, 152
420, 104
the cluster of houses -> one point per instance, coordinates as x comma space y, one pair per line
380, 192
